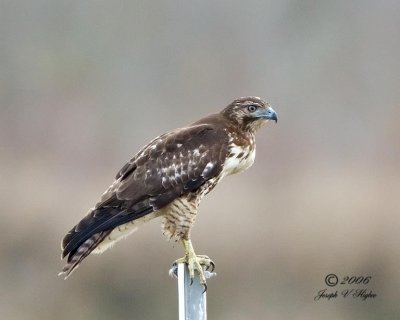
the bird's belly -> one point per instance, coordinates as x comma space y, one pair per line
239, 160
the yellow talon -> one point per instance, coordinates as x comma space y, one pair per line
195, 262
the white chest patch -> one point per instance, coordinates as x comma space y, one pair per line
239, 160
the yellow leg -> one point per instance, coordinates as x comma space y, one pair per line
195, 262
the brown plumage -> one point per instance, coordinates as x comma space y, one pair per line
168, 178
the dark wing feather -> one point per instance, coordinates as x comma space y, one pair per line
112, 218
174, 164
170, 166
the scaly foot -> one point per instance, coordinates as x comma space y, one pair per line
195, 263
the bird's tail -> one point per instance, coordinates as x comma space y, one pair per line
76, 256
93, 229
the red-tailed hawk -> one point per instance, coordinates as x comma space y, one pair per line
167, 179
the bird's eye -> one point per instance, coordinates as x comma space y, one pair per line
252, 108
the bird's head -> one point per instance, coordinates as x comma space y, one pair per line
250, 113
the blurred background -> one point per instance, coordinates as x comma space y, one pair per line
84, 84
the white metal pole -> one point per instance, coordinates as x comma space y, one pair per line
192, 299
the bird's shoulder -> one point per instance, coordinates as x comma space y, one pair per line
205, 137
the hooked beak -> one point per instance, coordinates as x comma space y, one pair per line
268, 113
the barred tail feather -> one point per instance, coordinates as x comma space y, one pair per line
75, 257
98, 231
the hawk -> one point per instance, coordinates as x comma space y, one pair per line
168, 178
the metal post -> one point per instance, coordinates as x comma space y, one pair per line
192, 300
